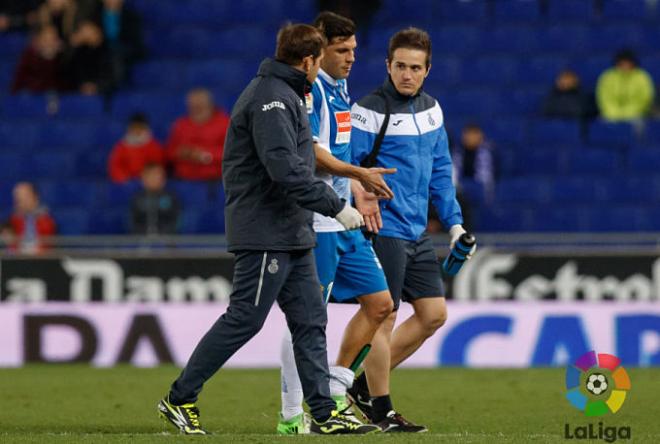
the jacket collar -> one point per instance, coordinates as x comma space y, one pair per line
390, 90
293, 77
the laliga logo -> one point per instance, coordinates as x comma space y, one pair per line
597, 386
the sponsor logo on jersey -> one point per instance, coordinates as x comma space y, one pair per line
343, 120
274, 104
360, 118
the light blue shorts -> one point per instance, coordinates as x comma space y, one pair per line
347, 266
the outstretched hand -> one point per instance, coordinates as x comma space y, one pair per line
372, 180
367, 204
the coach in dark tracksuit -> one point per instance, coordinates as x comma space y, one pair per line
271, 193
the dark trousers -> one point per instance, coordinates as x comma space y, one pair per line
261, 278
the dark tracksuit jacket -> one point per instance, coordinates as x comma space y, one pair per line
271, 194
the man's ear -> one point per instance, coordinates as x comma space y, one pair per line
428, 70
307, 63
387, 65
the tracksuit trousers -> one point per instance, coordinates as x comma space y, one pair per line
260, 279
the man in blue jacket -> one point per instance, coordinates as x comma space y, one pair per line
271, 194
415, 143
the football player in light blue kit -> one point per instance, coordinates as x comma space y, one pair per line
347, 264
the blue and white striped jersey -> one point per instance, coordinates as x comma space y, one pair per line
329, 111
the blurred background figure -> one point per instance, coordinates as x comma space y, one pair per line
18, 14
122, 30
154, 210
88, 60
134, 151
474, 170
625, 92
65, 15
30, 221
41, 67
567, 100
197, 141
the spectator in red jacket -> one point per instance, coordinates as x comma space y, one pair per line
197, 141
30, 221
41, 66
137, 149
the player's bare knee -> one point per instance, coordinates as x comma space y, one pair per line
378, 307
432, 320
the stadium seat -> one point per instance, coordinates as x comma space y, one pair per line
610, 35
559, 218
92, 163
163, 74
537, 161
22, 135
451, 39
71, 135
590, 68
13, 43
453, 11
545, 132
634, 10
609, 134
195, 194
634, 189
517, 10
594, 162
506, 218
25, 106
14, 166
74, 106
159, 107
57, 193
509, 39
71, 221
50, 165
618, 218
112, 220
526, 101
505, 133
644, 160
519, 190
220, 74
576, 190
490, 71
541, 71
570, 10
563, 38
211, 221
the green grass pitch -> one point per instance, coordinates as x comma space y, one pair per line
77, 404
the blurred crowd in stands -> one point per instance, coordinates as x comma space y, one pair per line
87, 47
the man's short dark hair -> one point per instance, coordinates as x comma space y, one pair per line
626, 55
334, 26
138, 119
295, 42
411, 38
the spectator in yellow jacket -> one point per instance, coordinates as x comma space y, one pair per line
624, 92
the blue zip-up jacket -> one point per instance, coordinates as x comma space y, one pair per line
416, 144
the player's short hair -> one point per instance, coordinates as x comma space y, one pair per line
334, 26
297, 41
411, 38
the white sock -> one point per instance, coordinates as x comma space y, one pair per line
341, 379
292, 394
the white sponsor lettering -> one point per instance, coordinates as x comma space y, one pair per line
484, 278
273, 104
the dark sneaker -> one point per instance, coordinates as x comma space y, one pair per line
362, 400
395, 423
338, 424
184, 417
